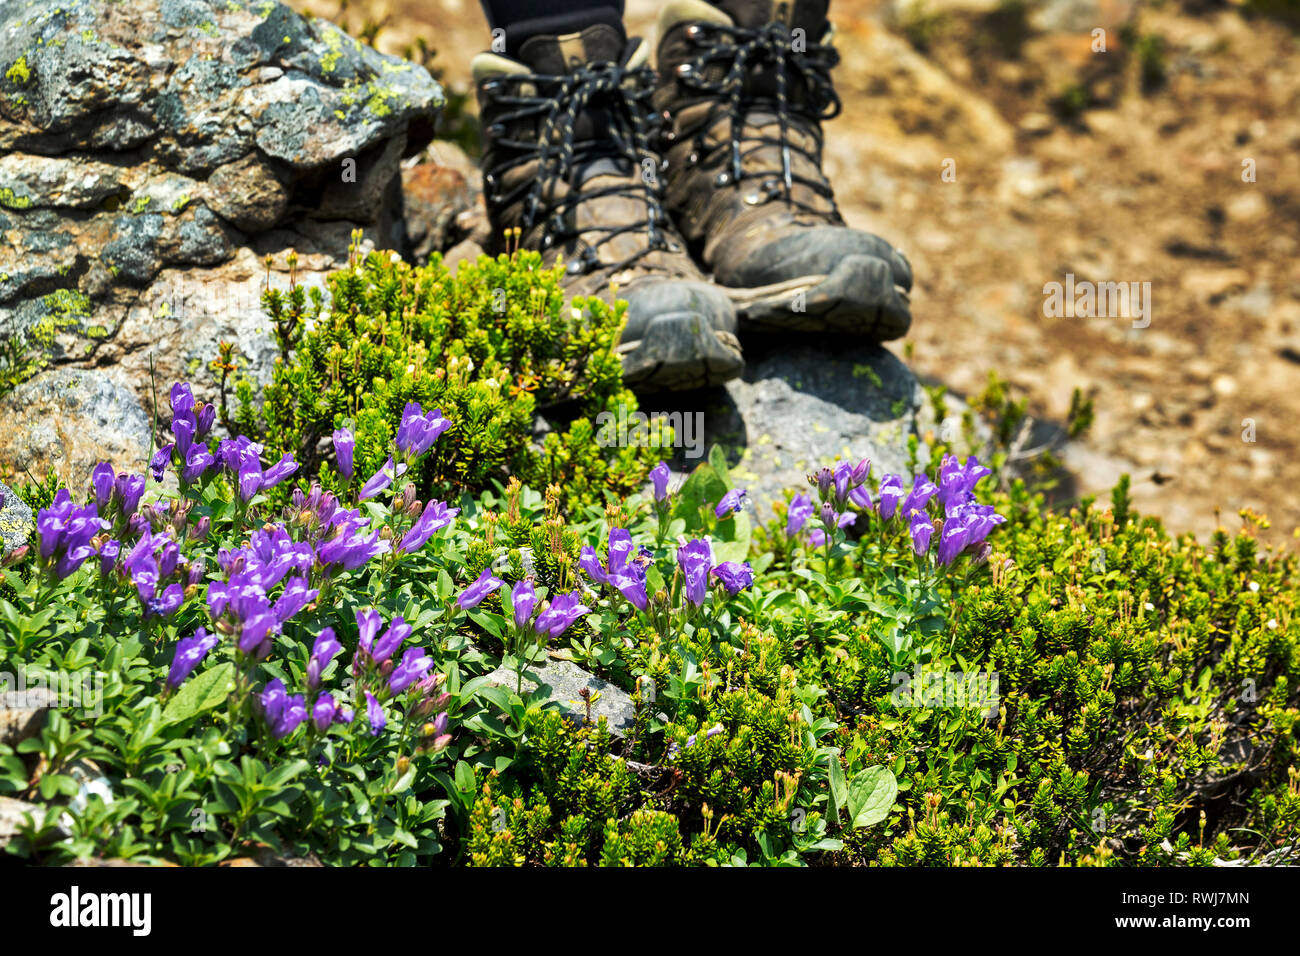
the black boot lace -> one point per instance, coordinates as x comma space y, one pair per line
738, 51
624, 96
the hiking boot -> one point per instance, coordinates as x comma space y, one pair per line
744, 88
569, 162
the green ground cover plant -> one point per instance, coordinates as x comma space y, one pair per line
295, 638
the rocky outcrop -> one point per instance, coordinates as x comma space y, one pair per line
67, 420
16, 520
155, 152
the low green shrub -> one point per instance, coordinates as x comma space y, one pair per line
491, 347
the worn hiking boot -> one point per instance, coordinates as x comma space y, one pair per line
744, 87
569, 162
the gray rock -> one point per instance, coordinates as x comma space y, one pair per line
146, 143
563, 681
68, 420
797, 409
13, 815
16, 521
23, 713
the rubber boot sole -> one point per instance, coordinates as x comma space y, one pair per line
858, 298
679, 351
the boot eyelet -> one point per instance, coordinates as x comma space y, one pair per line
684, 70
694, 158
722, 179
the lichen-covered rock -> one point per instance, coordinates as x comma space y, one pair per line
159, 142
69, 420
16, 520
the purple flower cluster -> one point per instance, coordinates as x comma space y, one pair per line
418, 431
190, 424
695, 559
242, 458
621, 572
838, 486
964, 523
382, 676
151, 563
116, 496
66, 533
242, 604
553, 617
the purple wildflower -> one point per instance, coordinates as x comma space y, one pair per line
797, 515
414, 663
382, 478
190, 652
205, 417
130, 489
197, 461
344, 446
158, 464
435, 516
589, 562
324, 650
522, 599
419, 431
952, 541
731, 502
375, 715
660, 475
890, 492
562, 612
165, 604
696, 560
480, 588
101, 480
629, 581
923, 489
921, 530
282, 711
735, 577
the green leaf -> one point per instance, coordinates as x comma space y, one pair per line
839, 788
871, 794
209, 689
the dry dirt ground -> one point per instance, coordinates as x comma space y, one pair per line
1141, 185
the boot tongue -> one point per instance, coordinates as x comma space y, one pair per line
810, 15
566, 53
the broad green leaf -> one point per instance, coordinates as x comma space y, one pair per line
871, 794
209, 689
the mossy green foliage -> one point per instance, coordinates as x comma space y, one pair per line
492, 346
1140, 709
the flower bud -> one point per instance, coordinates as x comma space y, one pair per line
403, 764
